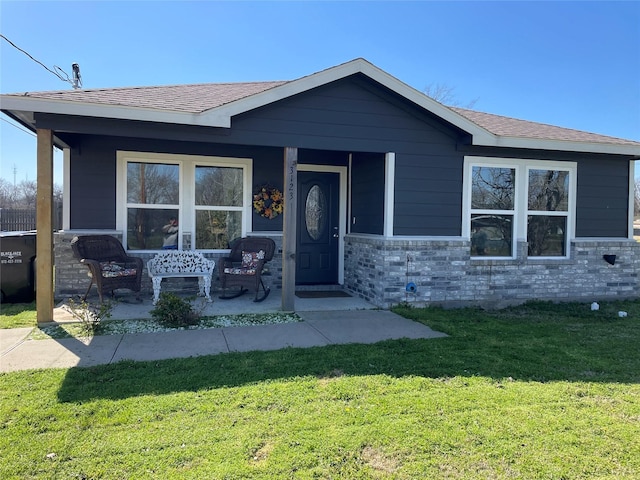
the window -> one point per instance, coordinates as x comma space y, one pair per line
492, 211
169, 198
218, 206
547, 212
153, 202
513, 198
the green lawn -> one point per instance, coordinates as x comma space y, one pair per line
18, 315
539, 391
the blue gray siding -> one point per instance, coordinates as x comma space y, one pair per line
350, 116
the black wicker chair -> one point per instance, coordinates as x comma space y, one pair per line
110, 268
243, 267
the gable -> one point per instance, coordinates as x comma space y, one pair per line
215, 105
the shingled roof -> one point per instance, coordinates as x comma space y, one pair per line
195, 98
512, 127
214, 104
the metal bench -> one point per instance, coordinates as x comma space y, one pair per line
181, 263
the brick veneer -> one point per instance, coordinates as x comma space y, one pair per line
379, 269
71, 277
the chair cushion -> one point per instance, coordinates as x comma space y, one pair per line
240, 271
251, 259
114, 269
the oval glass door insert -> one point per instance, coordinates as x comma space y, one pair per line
315, 212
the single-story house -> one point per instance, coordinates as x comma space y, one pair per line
368, 183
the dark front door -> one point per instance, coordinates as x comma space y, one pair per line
317, 239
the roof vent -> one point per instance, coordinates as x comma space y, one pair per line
77, 79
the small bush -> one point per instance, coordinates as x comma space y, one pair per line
174, 312
90, 315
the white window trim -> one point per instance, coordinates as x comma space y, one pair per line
187, 208
522, 167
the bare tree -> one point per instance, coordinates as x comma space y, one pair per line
445, 94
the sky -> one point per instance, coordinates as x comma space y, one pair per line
571, 64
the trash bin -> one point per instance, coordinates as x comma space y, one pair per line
17, 266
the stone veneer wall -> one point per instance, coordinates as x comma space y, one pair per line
71, 277
379, 269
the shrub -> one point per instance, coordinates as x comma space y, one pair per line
174, 312
90, 315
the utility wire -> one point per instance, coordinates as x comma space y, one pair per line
18, 127
40, 63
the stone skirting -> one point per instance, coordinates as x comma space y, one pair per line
71, 277
379, 270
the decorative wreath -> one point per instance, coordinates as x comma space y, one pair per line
268, 201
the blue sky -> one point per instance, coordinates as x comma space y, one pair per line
572, 64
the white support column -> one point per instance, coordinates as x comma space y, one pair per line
66, 189
632, 197
389, 192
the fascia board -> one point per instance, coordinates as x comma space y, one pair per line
562, 145
12, 103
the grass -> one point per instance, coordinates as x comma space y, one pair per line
18, 315
539, 391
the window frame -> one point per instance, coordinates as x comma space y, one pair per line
521, 210
187, 202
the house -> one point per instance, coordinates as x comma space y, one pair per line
386, 191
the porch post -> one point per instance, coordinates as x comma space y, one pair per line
44, 226
289, 229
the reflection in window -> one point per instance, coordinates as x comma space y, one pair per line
215, 229
548, 190
513, 198
546, 236
218, 186
153, 198
145, 228
218, 204
493, 188
153, 183
491, 235
315, 212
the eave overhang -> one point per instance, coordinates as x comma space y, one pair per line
22, 108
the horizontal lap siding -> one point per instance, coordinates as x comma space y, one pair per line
367, 193
93, 188
93, 174
345, 116
602, 198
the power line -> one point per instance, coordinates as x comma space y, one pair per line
67, 79
18, 127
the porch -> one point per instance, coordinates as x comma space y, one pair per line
126, 306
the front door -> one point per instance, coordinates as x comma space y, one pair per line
318, 228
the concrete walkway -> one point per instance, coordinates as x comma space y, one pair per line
318, 328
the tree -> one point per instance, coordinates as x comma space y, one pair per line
445, 94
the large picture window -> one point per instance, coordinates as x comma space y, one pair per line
506, 199
168, 198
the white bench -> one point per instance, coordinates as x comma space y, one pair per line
181, 263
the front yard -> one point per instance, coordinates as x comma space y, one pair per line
538, 391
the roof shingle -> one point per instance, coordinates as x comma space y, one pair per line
195, 98
198, 98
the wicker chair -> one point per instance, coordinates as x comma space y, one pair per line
243, 267
110, 268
